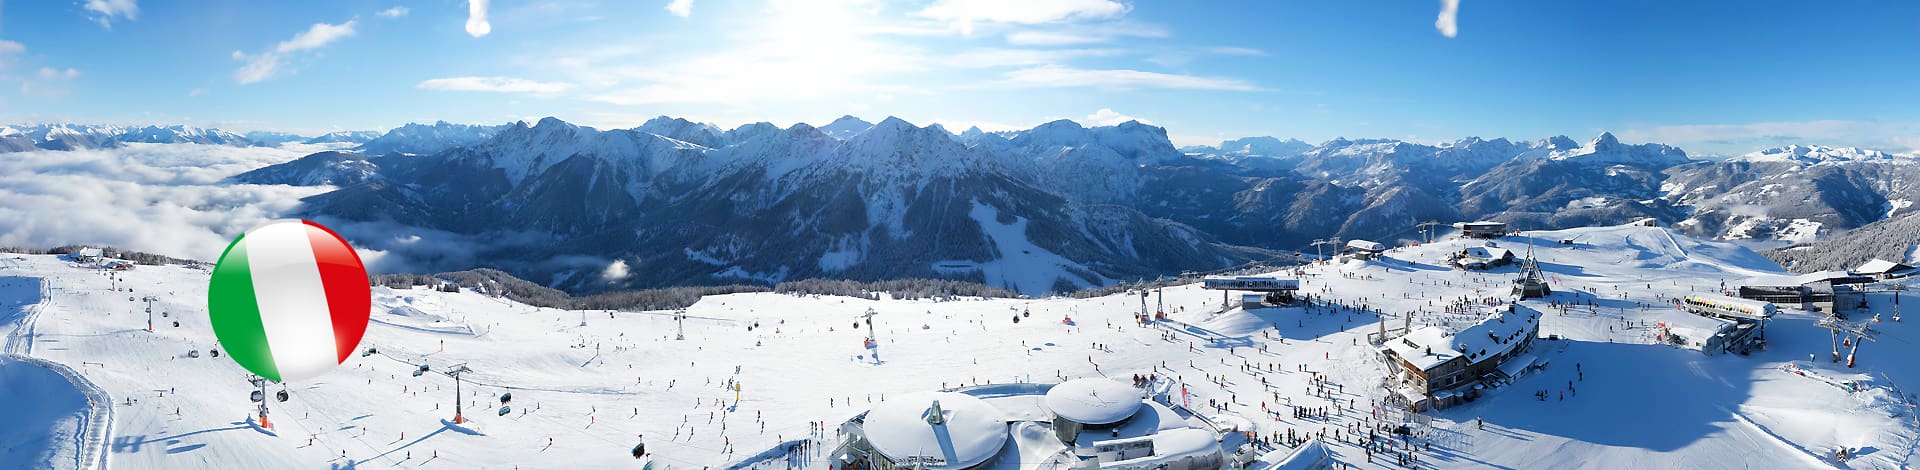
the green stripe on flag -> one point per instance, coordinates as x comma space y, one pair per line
236, 314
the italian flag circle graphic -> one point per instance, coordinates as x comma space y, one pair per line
289, 300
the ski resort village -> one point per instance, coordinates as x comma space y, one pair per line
1628, 346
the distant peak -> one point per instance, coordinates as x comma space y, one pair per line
1060, 124
893, 122
660, 121
1606, 139
848, 121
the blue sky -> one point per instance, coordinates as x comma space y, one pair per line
1714, 77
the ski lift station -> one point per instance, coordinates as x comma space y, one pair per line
1436, 367
1482, 229
1709, 331
1084, 423
1266, 289
1833, 292
1365, 249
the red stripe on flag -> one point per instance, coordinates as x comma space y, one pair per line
348, 296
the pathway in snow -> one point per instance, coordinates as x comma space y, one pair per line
97, 424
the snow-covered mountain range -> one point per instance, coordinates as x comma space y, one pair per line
20, 138
689, 202
692, 202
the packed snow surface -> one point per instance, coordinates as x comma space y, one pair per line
797, 360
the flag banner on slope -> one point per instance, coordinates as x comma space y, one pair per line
289, 300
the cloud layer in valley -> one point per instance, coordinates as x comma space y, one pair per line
158, 198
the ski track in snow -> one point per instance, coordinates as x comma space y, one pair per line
90, 443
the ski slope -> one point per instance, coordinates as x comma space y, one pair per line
588, 385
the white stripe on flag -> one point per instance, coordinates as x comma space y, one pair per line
293, 302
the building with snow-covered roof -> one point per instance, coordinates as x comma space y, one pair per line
1436, 367
934, 430
1364, 249
87, 255
1095, 422
1709, 334
1091, 403
1175, 449
1482, 257
1883, 269
1826, 291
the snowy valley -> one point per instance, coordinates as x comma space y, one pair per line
588, 385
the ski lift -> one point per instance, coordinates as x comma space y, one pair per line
639, 450
369, 352
506, 398
421, 370
194, 354
281, 395
163, 313
1016, 319
257, 397
214, 352
505, 409
176, 323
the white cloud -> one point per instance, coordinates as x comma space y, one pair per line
1059, 76
680, 8
615, 271
990, 57
1230, 50
257, 68
799, 51
10, 47
49, 73
962, 14
155, 198
104, 11
1107, 117
1449, 10
265, 65
1742, 138
394, 12
51, 82
196, 92
320, 34
1080, 34
477, 25
494, 84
